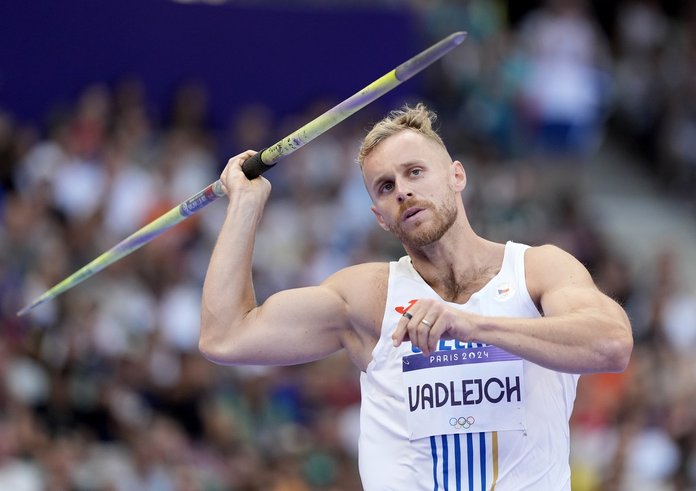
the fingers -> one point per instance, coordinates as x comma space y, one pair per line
399, 334
433, 333
421, 325
233, 169
234, 181
419, 331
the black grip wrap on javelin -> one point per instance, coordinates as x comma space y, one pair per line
254, 166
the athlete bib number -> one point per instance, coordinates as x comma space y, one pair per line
464, 391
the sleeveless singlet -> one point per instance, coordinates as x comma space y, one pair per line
419, 416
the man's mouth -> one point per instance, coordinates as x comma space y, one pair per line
409, 213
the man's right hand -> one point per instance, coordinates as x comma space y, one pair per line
236, 185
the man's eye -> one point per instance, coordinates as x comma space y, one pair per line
386, 187
416, 172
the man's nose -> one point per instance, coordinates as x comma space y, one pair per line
403, 192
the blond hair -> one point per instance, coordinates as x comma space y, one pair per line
419, 119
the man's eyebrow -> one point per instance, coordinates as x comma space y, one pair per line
403, 165
379, 180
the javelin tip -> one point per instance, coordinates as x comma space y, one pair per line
42, 299
25, 310
414, 65
458, 37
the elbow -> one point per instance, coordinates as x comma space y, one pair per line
214, 352
223, 337
222, 341
210, 346
617, 353
207, 348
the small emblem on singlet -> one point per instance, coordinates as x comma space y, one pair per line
504, 292
462, 422
402, 310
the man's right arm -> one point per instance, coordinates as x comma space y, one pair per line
292, 326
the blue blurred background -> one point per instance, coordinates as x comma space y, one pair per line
576, 122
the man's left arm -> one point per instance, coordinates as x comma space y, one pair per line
582, 330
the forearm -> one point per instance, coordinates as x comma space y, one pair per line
292, 326
578, 342
228, 292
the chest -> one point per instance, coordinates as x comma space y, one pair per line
459, 289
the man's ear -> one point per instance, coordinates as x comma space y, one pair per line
380, 218
459, 175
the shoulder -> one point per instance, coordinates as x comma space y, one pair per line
363, 288
546, 252
361, 279
548, 267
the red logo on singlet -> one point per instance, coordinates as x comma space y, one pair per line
402, 310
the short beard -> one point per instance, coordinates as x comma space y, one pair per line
427, 233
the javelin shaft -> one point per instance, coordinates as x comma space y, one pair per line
256, 165
133, 242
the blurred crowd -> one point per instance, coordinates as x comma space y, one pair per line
103, 388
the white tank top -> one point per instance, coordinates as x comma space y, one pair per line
531, 455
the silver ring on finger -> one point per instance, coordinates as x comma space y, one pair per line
424, 321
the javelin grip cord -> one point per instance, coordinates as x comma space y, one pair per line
254, 166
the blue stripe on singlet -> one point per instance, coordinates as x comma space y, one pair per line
458, 461
458, 455
470, 459
482, 448
433, 450
445, 463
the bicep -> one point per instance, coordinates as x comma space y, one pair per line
292, 326
574, 298
564, 286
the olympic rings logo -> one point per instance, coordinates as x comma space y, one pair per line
462, 423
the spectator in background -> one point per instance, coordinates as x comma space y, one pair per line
564, 94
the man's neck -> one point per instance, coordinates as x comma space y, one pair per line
459, 264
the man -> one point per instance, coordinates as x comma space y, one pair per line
470, 350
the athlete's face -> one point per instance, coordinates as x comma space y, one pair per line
415, 187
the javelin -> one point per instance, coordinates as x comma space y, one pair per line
256, 165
